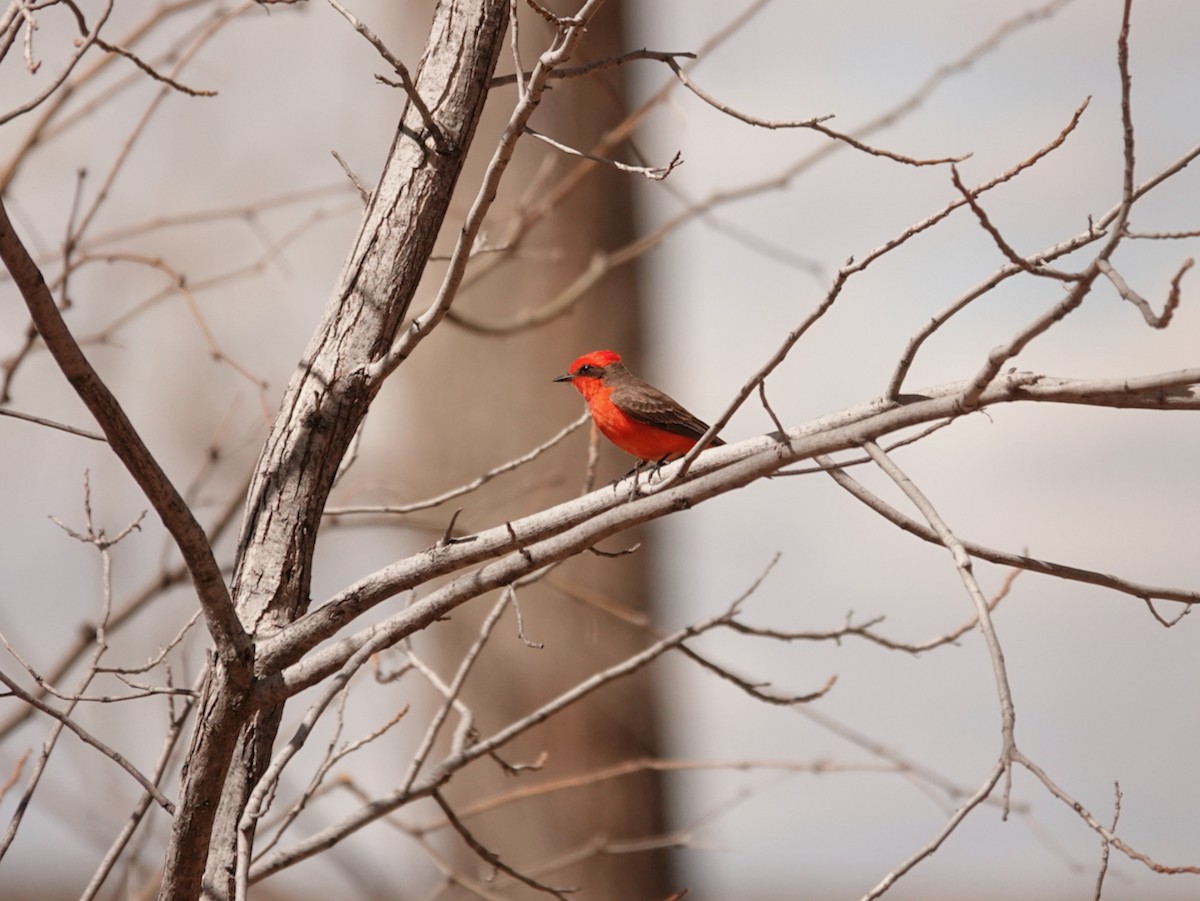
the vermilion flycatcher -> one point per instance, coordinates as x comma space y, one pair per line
633, 414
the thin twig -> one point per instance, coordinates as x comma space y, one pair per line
452, 691
813, 124
87, 738
1104, 844
416, 331
1128, 192
151, 71
260, 798
49, 423
1002, 354
962, 562
81, 47
514, 39
1163, 621
654, 173
333, 756
592, 67
467, 488
755, 689
933, 844
1005, 248
435, 132
137, 816
363, 191
936, 322
867, 632
1017, 561
493, 858
762, 396
1096, 826
425, 787
530, 214
1159, 320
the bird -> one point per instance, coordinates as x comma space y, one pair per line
631, 413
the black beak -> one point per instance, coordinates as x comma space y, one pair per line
565, 377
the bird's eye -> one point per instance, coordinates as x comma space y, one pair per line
587, 369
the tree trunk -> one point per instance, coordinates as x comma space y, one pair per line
320, 413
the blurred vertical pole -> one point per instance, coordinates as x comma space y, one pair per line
473, 400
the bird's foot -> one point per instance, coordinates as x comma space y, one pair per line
656, 469
636, 472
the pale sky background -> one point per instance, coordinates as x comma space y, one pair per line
1103, 692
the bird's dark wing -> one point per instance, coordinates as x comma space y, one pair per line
642, 401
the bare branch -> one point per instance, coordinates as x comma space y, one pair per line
654, 173
867, 632
226, 629
999, 356
430, 783
86, 634
849, 269
363, 191
1161, 236
491, 857
1128, 192
1013, 257
551, 59
1062, 248
627, 768
49, 423
90, 739
1095, 825
260, 799
562, 531
332, 757
1165, 623
953, 823
1017, 561
597, 66
962, 562
605, 262
15, 776
137, 816
151, 71
414, 96
1104, 842
813, 124
470, 486
451, 694
755, 690
1161, 320
81, 47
